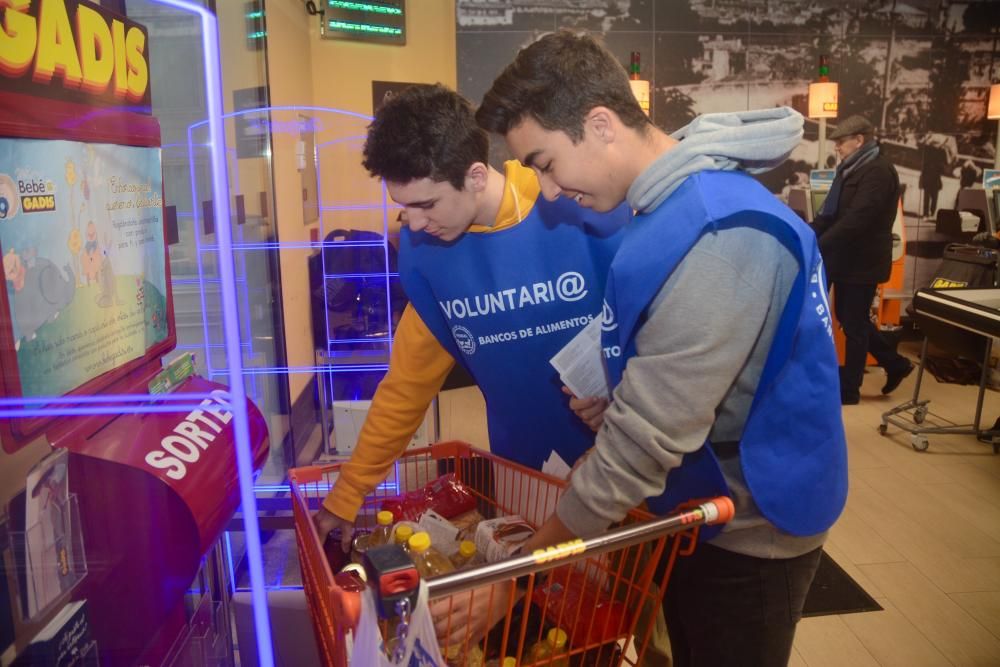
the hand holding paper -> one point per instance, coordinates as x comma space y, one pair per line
581, 363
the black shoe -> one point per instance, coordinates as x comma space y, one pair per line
895, 377
850, 400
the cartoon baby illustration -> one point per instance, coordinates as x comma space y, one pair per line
107, 282
8, 198
75, 240
13, 269
93, 256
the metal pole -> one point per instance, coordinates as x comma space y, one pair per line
821, 158
996, 154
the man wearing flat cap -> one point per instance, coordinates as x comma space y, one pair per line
854, 228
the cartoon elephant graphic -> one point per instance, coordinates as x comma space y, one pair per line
45, 293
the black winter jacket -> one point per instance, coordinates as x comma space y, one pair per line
856, 244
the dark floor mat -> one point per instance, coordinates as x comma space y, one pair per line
834, 592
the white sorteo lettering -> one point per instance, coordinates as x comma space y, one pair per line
181, 447
175, 469
188, 439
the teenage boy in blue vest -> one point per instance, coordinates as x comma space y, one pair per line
720, 345
499, 280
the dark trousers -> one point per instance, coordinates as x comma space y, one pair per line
725, 609
852, 304
930, 202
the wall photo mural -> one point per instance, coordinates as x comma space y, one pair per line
920, 70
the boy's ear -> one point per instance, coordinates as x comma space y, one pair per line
476, 177
602, 122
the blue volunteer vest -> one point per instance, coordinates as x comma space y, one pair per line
504, 303
793, 451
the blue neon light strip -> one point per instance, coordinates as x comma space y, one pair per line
286, 107
220, 191
357, 207
299, 245
207, 281
196, 223
274, 370
109, 398
357, 137
373, 274
10, 413
319, 487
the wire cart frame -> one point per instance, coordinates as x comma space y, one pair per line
616, 571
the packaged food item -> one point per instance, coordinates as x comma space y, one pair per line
570, 600
383, 529
445, 495
351, 578
466, 524
497, 539
554, 644
465, 554
429, 561
444, 536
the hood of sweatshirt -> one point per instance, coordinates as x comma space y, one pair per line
752, 141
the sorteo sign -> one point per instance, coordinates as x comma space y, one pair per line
73, 50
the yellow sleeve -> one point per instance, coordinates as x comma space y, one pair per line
417, 369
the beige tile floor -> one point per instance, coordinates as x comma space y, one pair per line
921, 533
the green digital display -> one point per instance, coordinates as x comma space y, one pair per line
382, 21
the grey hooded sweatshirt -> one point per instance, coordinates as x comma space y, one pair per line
702, 349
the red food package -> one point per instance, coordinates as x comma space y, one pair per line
583, 609
446, 495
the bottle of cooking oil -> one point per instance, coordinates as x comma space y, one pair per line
402, 536
553, 644
429, 561
506, 662
383, 529
456, 656
466, 552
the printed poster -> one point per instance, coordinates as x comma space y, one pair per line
81, 231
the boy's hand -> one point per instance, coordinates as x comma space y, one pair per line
326, 521
589, 410
471, 613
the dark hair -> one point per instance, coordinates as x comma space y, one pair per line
557, 81
425, 132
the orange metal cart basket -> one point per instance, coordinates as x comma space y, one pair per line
617, 568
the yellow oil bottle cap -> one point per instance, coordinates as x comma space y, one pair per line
420, 542
467, 549
557, 637
509, 662
403, 534
384, 518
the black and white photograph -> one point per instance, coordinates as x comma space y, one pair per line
919, 70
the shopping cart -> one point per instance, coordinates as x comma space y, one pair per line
610, 624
